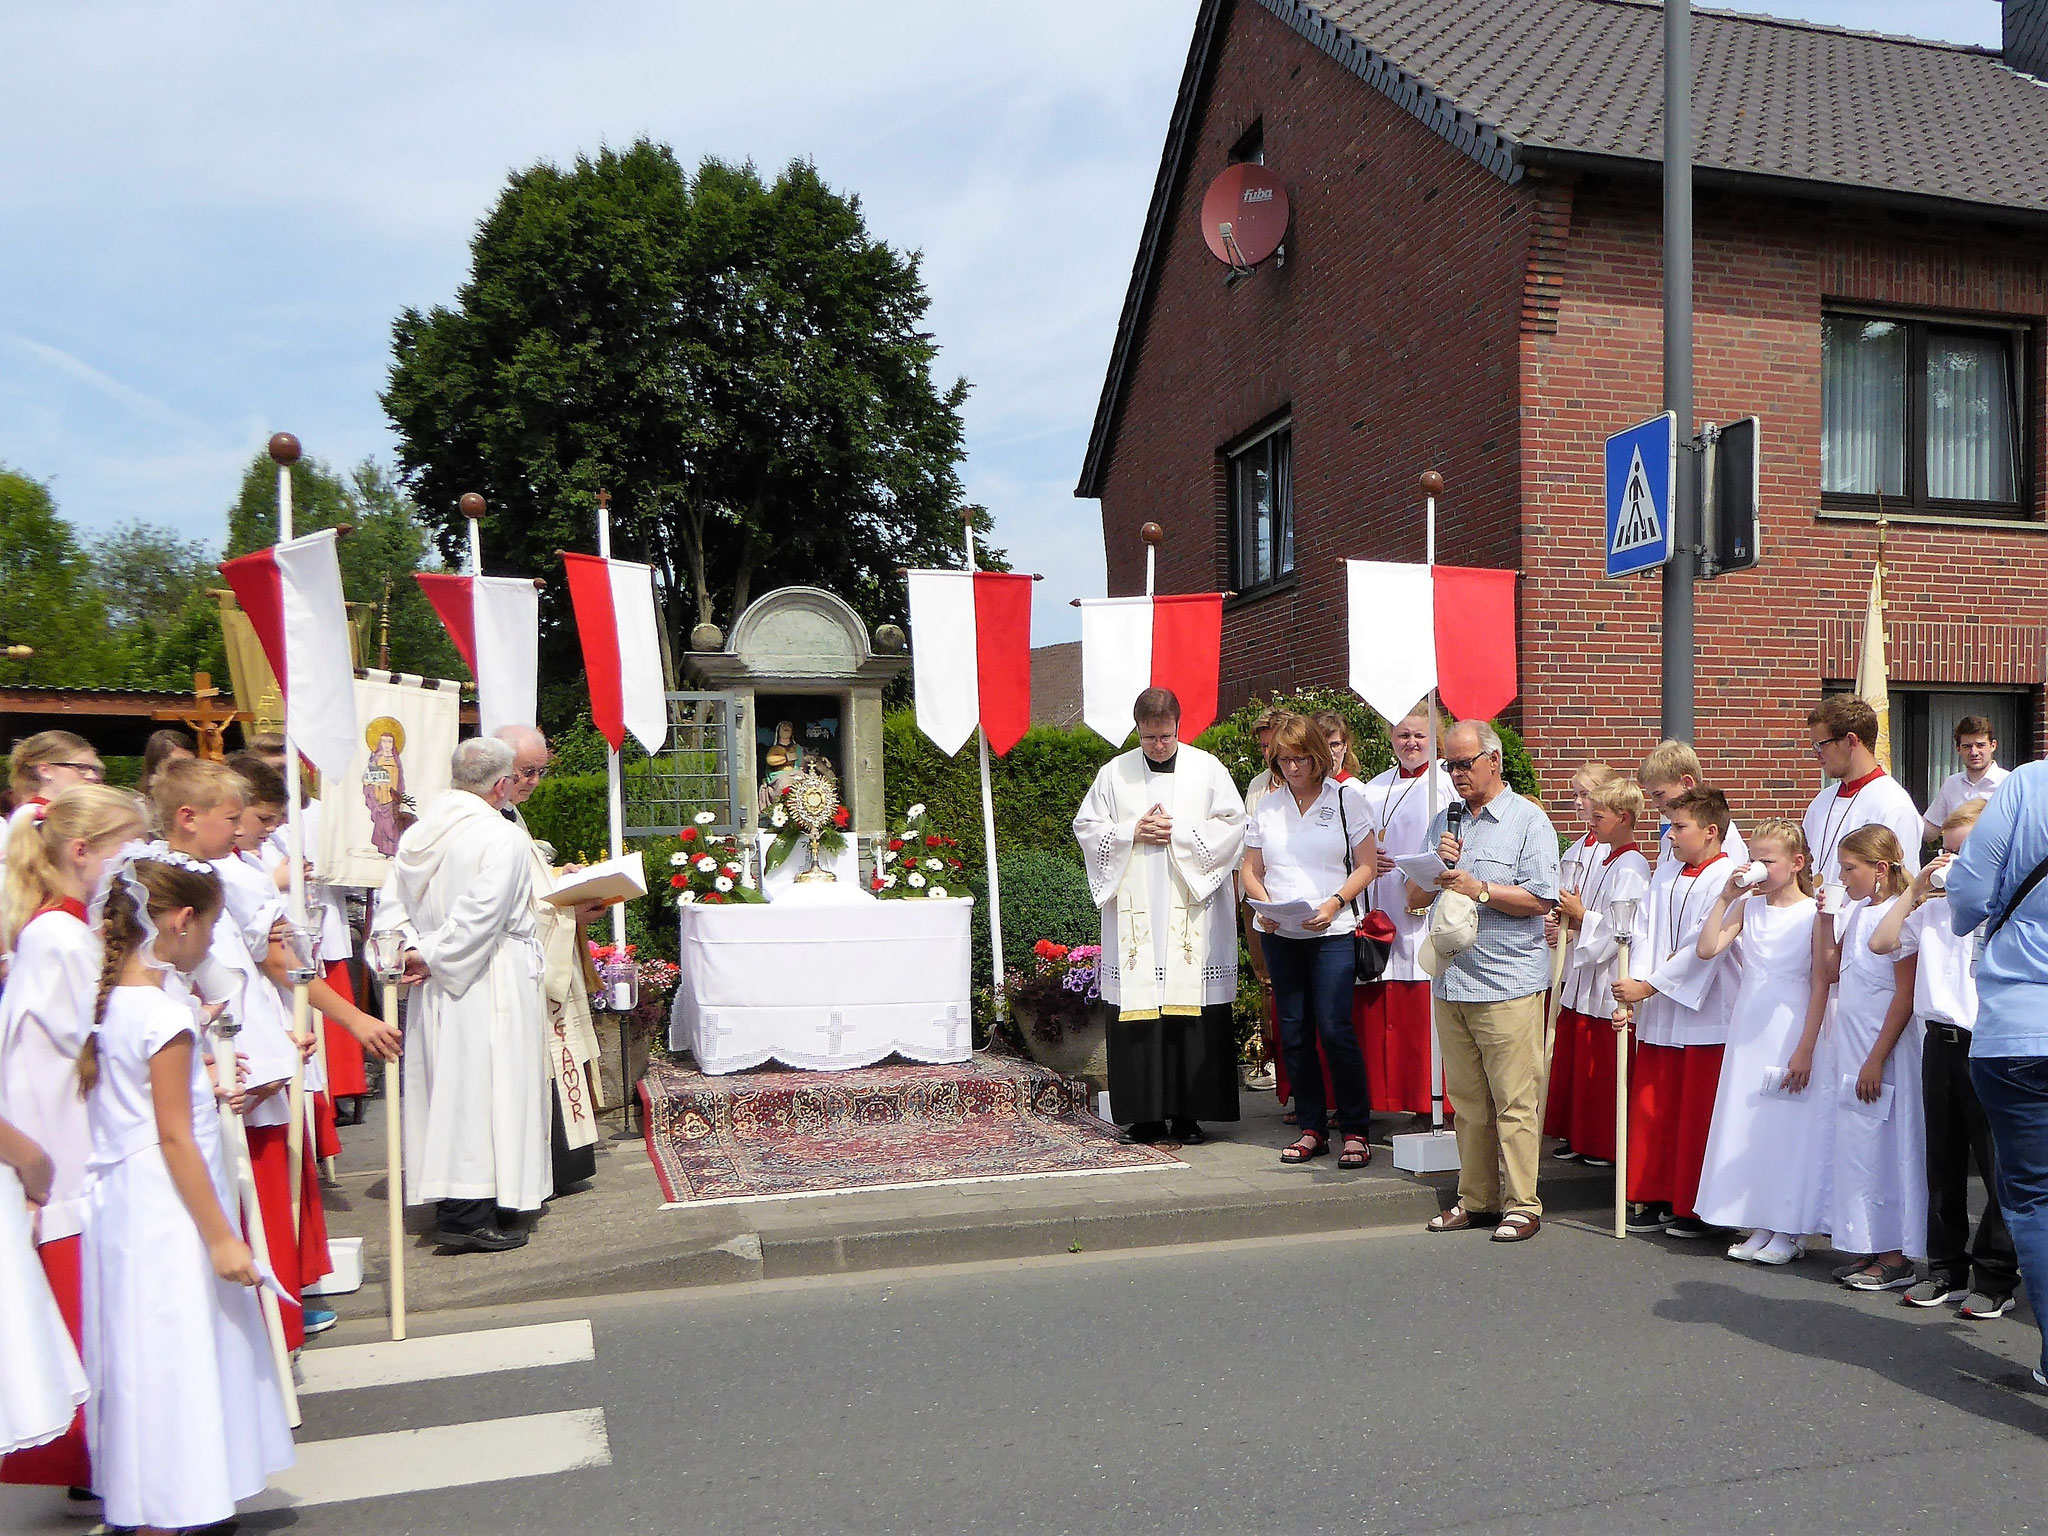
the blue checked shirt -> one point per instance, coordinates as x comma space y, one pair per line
1510, 842
2010, 838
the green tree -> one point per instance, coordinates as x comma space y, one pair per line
740, 363
163, 625
387, 544
48, 600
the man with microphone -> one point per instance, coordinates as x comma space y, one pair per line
1487, 998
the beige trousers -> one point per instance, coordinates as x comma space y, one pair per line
1493, 1072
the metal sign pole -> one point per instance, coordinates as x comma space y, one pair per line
1679, 573
988, 825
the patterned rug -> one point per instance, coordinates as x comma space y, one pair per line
777, 1133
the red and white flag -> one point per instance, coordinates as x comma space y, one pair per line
495, 624
615, 619
970, 650
1418, 627
1129, 644
292, 594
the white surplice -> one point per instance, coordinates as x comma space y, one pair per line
45, 1017
565, 999
1402, 809
476, 1073
1169, 931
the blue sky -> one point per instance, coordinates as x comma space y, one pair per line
212, 211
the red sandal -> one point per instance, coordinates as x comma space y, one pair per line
1310, 1145
1356, 1154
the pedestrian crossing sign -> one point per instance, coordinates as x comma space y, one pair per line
1642, 465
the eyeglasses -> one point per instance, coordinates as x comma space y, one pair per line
1292, 762
531, 775
1821, 746
1463, 764
93, 771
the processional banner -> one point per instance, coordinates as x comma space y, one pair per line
400, 763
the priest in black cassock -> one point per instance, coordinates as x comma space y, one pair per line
1160, 832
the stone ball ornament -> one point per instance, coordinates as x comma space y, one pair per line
890, 639
707, 637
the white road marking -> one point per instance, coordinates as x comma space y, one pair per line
445, 1456
437, 1357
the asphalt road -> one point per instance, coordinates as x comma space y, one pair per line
1382, 1382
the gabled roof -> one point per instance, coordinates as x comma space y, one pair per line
1814, 110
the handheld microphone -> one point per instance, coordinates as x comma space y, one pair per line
1454, 819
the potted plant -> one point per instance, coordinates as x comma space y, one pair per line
1059, 1011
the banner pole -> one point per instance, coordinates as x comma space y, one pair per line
284, 450
988, 828
237, 1138
1432, 487
614, 781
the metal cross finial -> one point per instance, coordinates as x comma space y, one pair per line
604, 498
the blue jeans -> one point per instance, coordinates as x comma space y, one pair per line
1312, 984
2014, 1093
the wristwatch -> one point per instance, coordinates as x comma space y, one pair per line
1485, 895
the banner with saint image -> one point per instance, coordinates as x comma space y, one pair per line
400, 764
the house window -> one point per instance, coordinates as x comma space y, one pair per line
1250, 148
1923, 733
1922, 414
1262, 510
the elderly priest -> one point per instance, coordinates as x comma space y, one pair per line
476, 1075
1160, 832
565, 994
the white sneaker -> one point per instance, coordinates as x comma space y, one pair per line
1783, 1248
1746, 1251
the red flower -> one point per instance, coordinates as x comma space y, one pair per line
713, 896
875, 884
679, 882
932, 840
839, 817
1045, 949
895, 845
733, 870
687, 835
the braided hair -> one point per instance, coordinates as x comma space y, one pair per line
123, 930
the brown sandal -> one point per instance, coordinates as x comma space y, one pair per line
1310, 1145
1517, 1227
1356, 1154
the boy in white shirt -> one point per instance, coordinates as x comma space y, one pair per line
1945, 1001
1978, 748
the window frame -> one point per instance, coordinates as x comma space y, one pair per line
1262, 436
2019, 339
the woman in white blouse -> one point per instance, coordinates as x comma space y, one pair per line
1310, 846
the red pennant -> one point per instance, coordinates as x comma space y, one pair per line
1475, 640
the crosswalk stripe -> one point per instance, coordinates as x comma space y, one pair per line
444, 1456
437, 1357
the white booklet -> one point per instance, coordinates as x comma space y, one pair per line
1423, 869
1774, 1085
1879, 1109
1288, 914
615, 880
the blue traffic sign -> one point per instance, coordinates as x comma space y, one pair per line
1642, 466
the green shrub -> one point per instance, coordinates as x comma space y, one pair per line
570, 811
1045, 896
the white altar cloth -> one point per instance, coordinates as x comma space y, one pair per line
823, 985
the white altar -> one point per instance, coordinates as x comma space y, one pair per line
824, 984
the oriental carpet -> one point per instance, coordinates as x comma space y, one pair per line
781, 1133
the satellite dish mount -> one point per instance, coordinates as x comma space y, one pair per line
1244, 219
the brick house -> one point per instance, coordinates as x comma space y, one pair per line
1472, 282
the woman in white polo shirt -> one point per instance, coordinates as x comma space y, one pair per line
1311, 841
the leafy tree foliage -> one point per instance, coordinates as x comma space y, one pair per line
48, 599
739, 362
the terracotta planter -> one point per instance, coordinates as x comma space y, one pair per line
1082, 1052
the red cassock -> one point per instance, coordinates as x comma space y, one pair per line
1581, 1108
62, 1462
1670, 1111
296, 1264
345, 1075
1393, 1022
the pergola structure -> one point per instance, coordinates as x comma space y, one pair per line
119, 721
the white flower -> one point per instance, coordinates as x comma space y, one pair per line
914, 812
916, 879
706, 863
933, 864
678, 859
888, 855
686, 898
887, 881
778, 817
705, 818
722, 883
936, 893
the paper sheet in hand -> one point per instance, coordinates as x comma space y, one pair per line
1880, 1110
1288, 914
1423, 869
620, 879
267, 1281
1774, 1085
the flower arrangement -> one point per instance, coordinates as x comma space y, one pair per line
917, 861
1053, 998
709, 868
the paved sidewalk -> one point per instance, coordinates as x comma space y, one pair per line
614, 1237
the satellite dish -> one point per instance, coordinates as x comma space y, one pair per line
1244, 215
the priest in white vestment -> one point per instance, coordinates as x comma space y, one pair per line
1161, 833
565, 979
476, 1073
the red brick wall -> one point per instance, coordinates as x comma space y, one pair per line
1389, 331
1965, 604
1430, 314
